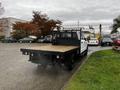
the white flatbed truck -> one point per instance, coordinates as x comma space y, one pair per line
65, 47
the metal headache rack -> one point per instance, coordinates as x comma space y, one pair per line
67, 36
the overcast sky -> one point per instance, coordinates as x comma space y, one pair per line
85, 11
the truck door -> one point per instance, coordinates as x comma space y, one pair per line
83, 42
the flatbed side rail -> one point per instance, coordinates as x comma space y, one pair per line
30, 51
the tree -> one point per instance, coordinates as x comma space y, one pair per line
24, 29
39, 25
45, 24
1, 9
116, 25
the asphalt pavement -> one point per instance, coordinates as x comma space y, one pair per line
17, 73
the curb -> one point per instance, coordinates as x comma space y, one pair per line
74, 73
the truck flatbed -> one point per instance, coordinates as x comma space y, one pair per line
54, 48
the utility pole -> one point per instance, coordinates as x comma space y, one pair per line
78, 24
100, 27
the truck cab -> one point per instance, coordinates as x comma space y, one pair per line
70, 37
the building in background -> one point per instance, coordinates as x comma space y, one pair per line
6, 26
1, 31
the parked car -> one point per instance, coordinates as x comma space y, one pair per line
41, 40
116, 43
106, 42
33, 37
9, 40
48, 39
93, 41
26, 40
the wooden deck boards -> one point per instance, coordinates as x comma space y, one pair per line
54, 48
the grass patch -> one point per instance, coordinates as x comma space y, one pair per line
100, 72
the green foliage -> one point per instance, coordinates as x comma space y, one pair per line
116, 25
100, 72
2, 37
39, 25
18, 34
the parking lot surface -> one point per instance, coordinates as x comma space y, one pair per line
16, 73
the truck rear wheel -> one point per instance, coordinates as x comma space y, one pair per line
69, 62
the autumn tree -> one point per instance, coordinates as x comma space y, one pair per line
24, 29
45, 24
39, 25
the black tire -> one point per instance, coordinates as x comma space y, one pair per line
69, 62
69, 67
102, 44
